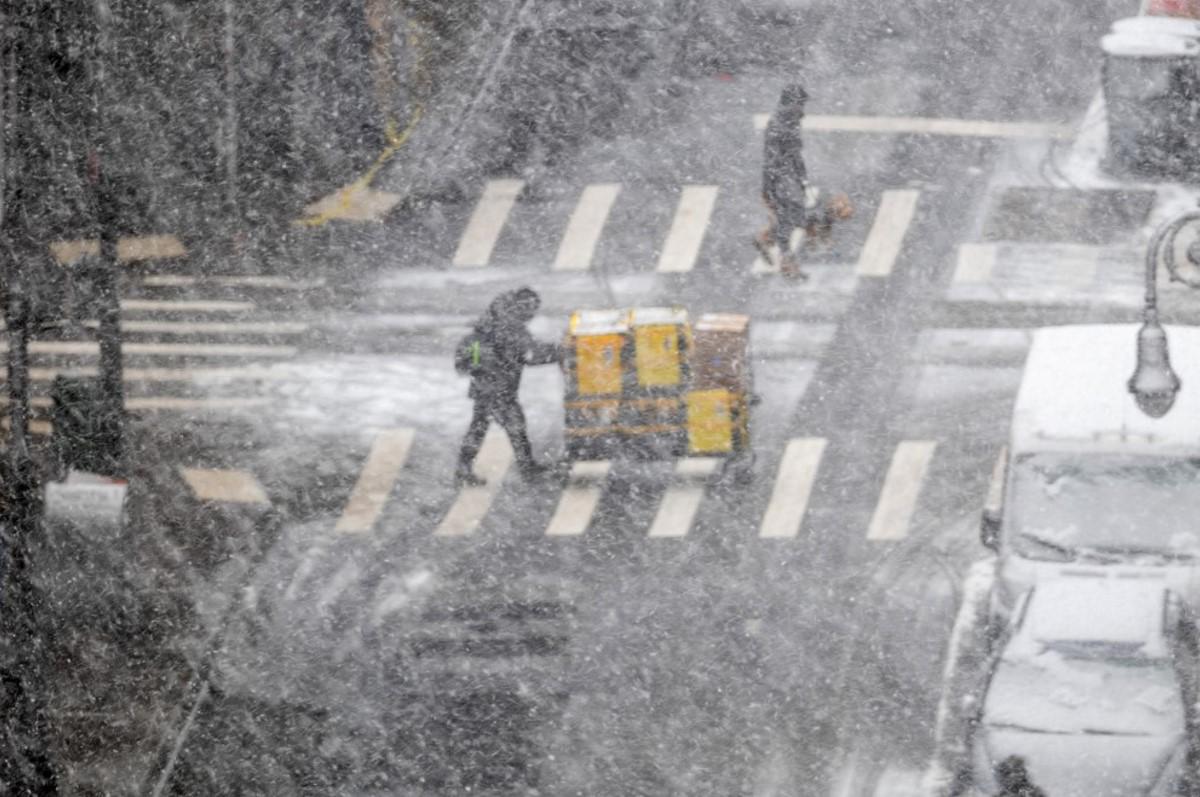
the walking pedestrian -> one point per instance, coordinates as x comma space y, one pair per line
1013, 778
785, 180
494, 354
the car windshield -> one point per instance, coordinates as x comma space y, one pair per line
1115, 505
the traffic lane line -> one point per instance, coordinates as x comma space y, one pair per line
486, 223
87, 348
473, 503
681, 502
793, 488
578, 245
901, 489
895, 213
224, 486
579, 499
686, 236
389, 451
829, 123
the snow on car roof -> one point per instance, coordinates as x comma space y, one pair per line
1171, 26
1074, 392
1153, 37
1149, 45
1124, 612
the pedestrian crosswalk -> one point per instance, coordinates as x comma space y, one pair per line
189, 347
1053, 273
687, 489
679, 247
686, 229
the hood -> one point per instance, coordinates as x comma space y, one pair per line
1089, 765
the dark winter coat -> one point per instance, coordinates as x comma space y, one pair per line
1014, 779
784, 172
1026, 789
507, 347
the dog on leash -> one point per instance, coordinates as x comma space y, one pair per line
819, 220
819, 216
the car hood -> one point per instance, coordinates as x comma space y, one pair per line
1089, 765
1049, 693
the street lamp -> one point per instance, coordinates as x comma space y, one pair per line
1154, 383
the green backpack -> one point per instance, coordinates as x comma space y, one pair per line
469, 354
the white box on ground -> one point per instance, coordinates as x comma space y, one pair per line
92, 502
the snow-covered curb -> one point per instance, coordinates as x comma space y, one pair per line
962, 675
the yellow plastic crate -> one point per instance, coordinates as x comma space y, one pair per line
710, 421
598, 341
661, 339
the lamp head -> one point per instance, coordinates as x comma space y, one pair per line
1154, 384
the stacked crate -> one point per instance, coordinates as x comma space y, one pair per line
597, 349
718, 401
654, 416
642, 382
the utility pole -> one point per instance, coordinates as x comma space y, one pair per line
25, 767
111, 398
229, 142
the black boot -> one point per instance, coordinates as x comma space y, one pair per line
533, 471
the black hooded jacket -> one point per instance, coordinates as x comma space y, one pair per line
784, 172
506, 348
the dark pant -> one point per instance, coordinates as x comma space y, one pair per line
507, 413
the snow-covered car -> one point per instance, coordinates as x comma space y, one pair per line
1093, 690
1091, 483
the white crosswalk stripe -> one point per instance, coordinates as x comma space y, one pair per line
901, 489
89, 348
681, 501
135, 375
487, 222
579, 499
389, 451
225, 486
210, 327
975, 262
169, 403
583, 230
883, 244
686, 236
473, 503
186, 306
793, 487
